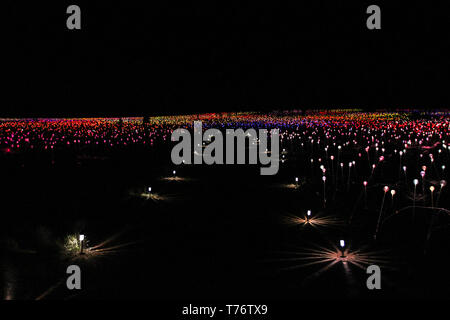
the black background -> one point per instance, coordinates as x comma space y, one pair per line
132, 58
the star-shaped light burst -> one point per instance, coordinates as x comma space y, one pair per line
313, 220
327, 257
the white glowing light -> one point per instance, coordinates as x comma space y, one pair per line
342, 243
81, 237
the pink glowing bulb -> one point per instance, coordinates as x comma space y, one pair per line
386, 189
365, 183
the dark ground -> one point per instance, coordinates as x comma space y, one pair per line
217, 236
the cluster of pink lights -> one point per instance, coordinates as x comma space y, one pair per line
345, 129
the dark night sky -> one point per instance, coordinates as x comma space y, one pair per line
135, 59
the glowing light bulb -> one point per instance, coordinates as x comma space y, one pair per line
386, 188
416, 182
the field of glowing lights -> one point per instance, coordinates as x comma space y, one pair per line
224, 231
